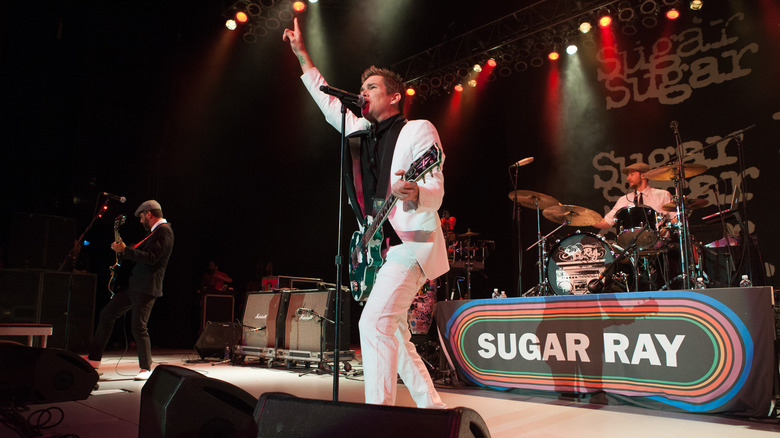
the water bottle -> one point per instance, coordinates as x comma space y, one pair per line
745, 282
700, 283
495, 293
226, 357
503, 294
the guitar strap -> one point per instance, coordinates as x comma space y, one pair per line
391, 138
355, 142
354, 178
147, 236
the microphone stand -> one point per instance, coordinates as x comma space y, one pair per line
73, 255
747, 239
685, 246
516, 217
337, 322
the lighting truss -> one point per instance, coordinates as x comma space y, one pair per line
533, 24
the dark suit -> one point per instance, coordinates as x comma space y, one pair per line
144, 286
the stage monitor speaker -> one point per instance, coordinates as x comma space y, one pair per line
283, 415
179, 402
264, 314
308, 313
43, 375
216, 336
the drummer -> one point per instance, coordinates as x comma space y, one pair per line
639, 193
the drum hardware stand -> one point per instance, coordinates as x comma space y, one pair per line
543, 288
597, 284
746, 240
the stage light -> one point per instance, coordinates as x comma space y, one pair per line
571, 49
605, 19
477, 68
299, 6
625, 11
491, 63
585, 26
313, 1
231, 24
241, 17
253, 9
458, 88
695, 5
473, 83
672, 14
648, 6
553, 55
410, 91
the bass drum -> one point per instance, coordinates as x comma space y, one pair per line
576, 260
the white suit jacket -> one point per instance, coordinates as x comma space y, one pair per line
416, 223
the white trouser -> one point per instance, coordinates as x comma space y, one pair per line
385, 337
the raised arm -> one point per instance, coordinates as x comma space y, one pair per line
295, 37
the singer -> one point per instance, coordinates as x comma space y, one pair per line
414, 248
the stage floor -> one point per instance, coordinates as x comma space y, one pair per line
113, 409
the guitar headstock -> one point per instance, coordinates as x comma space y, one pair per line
424, 164
119, 221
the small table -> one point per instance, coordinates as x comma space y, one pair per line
29, 330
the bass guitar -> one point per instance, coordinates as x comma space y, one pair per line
366, 244
118, 222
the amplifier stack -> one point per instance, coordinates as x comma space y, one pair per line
294, 326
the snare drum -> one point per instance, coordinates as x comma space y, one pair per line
576, 260
630, 222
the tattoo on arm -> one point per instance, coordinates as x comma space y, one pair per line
301, 59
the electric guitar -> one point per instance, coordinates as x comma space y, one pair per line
366, 244
118, 222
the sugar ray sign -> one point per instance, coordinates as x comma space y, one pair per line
682, 349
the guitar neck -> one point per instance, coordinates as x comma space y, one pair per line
380, 218
116, 239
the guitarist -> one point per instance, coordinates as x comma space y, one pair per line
145, 285
415, 246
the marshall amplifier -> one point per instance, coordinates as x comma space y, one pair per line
264, 323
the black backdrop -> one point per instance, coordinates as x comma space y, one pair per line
158, 100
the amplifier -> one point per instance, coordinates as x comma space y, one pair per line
263, 323
217, 308
310, 320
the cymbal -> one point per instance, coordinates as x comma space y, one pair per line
690, 204
530, 199
669, 171
468, 233
574, 215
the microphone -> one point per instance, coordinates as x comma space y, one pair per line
121, 199
596, 285
522, 162
343, 95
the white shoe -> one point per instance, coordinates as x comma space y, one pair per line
143, 375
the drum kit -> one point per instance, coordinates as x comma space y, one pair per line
646, 244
